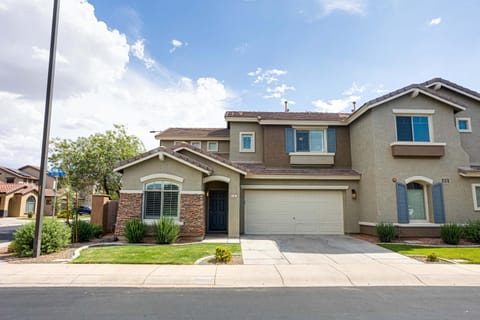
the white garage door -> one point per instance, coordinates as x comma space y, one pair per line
293, 212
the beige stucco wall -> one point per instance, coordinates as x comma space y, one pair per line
131, 175
470, 140
378, 167
235, 129
350, 206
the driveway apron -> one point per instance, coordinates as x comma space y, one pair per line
315, 250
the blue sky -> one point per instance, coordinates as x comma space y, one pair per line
151, 64
376, 44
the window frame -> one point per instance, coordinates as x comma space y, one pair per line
469, 124
162, 191
476, 205
411, 115
252, 147
325, 146
193, 142
212, 142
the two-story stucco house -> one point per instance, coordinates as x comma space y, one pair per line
410, 157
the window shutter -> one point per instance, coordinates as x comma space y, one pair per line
289, 140
402, 202
438, 204
331, 140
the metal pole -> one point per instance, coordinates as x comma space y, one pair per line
55, 197
37, 241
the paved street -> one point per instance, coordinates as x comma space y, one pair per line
6, 233
274, 303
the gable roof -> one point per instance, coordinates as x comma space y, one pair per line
452, 86
163, 151
194, 134
211, 156
413, 89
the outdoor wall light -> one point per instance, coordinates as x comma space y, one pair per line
354, 194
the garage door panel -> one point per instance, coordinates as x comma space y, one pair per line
293, 212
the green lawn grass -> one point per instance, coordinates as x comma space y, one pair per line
161, 254
472, 255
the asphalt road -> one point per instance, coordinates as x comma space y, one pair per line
306, 303
6, 233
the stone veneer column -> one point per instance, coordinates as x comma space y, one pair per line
129, 207
192, 214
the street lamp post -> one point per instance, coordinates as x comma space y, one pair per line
37, 241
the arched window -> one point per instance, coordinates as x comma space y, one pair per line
30, 205
161, 198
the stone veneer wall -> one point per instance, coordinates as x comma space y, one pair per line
192, 213
129, 207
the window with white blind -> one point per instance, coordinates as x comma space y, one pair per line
161, 199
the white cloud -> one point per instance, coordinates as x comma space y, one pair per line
335, 105
138, 51
355, 88
435, 21
95, 87
356, 7
278, 91
266, 76
177, 44
380, 89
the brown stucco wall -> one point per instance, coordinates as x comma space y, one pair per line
274, 153
343, 158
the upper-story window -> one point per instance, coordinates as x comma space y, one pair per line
464, 124
212, 146
10, 180
413, 128
161, 198
310, 140
196, 144
247, 142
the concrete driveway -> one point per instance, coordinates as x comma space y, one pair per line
315, 250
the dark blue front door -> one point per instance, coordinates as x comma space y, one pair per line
217, 215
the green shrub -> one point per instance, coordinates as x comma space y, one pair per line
472, 231
223, 254
385, 232
30, 215
135, 230
55, 236
451, 233
166, 230
62, 215
432, 257
86, 231
97, 230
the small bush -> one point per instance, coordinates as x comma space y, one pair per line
55, 236
451, 233
166, 230
385, 232
472, 231
223, 254
135, 230
432, 257
62, 215
86, 231
97, 230
11, 247
30, 215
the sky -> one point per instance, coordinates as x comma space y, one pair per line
152, 64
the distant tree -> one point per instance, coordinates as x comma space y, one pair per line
88, 161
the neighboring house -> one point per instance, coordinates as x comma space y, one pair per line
410, 157
19, 191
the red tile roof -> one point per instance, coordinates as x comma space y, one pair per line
8, 188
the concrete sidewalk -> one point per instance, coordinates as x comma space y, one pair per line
239, 276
